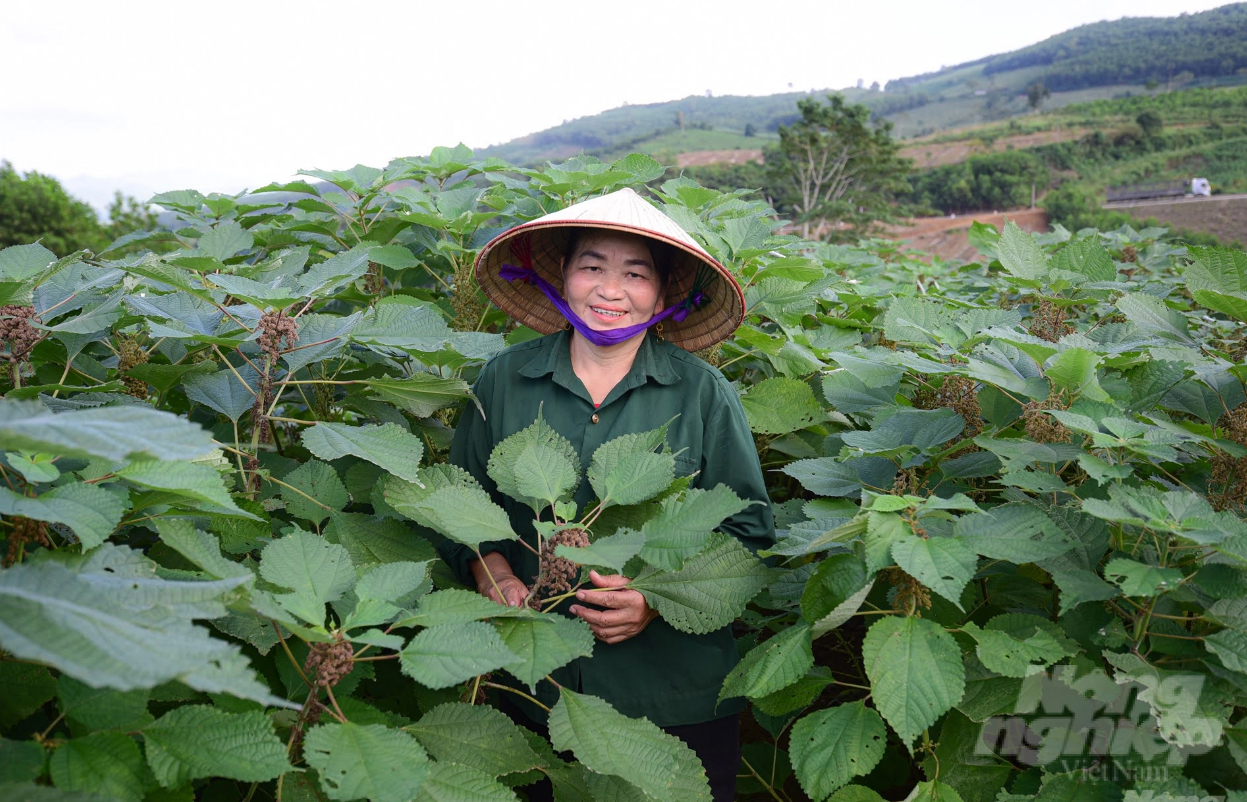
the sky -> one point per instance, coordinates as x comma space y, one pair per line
146, 96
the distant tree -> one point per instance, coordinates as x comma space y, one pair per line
750, 130
1036, 94
1151, 123
36, 207
833, 165
874, 86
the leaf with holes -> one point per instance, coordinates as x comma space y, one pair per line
830, 747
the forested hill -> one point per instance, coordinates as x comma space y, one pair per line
1100, 61
1211, 44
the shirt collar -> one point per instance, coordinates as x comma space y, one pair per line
554, 358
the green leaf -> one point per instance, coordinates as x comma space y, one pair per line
370, 540
709, 592
478, 736
34, 468
830, 747
455, 606
449, 782
1184, 715
536, 466
1231, 646
684, 524
114, 433
634, 750
27, 687
772, 665
190, 479
543, 644
1020, 254
20, 262
92, 512
388, 446
223, 391
1010, 656
1151, 315
915, 671
1088, 257
196, 741
943, 564
319, 481
122, 629
1019, 533
629, 469
611, 552
1139, 579
781, 405
201, 548
106, 763
20, 761
372, 762
1218, 280
421, 395
447, 654
463, 513
224, 240
1074, 369
920, 429
102, 708
316, 571
836, 579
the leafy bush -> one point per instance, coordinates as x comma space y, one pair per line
1009, 494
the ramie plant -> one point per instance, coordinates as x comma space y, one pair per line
1012, 563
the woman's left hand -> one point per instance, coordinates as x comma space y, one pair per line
626, 612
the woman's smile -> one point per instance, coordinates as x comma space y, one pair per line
611, 282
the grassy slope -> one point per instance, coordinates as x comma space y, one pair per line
917, 106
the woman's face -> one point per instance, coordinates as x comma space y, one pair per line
611, 282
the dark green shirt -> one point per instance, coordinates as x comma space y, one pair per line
667, 676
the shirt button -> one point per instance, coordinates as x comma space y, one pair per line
595, 418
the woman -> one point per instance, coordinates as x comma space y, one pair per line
621, 291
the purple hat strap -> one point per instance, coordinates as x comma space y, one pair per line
695, 299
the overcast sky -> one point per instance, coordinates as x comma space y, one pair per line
148, 96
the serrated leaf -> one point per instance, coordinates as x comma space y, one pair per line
543, 644
447, 654
915, 671
421, 395
771, 666
192, 480
611, 552
123, 631
20, 761
781, 405
836, 579
1019, 533
369, 540
1020, 254
388, 446
629, 469
709, 592
316, 571
943, 564
1074, 369
1088, 257
113, 433
536, 466
478, 736
105, 763
201, 548
920, 429
1010, 656
1151, 315
319, 481
683, 525
196, 741
92, 512
634, 750
1140, 579
450, 782
830, 747
225, 391
371, 761
463, 513
102, 708
224, 240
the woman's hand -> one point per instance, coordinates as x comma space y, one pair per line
626, 615
494, 565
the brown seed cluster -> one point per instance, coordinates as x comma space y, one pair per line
129, 354
712, 355
558, 573
1048, 321
25, 531
910, 593
277, 332
1044, 428
465, 299
328, 663
1129, 253
16, 332
323, 404
1228, 483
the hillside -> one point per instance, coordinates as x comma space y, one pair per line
1101, 61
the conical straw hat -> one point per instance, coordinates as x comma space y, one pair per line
719, 314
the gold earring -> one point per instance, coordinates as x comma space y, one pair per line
658, 331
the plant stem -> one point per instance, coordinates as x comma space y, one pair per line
514, 691
300, 492
286, 648
329, 690
769, 788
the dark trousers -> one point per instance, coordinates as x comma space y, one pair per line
716, 743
